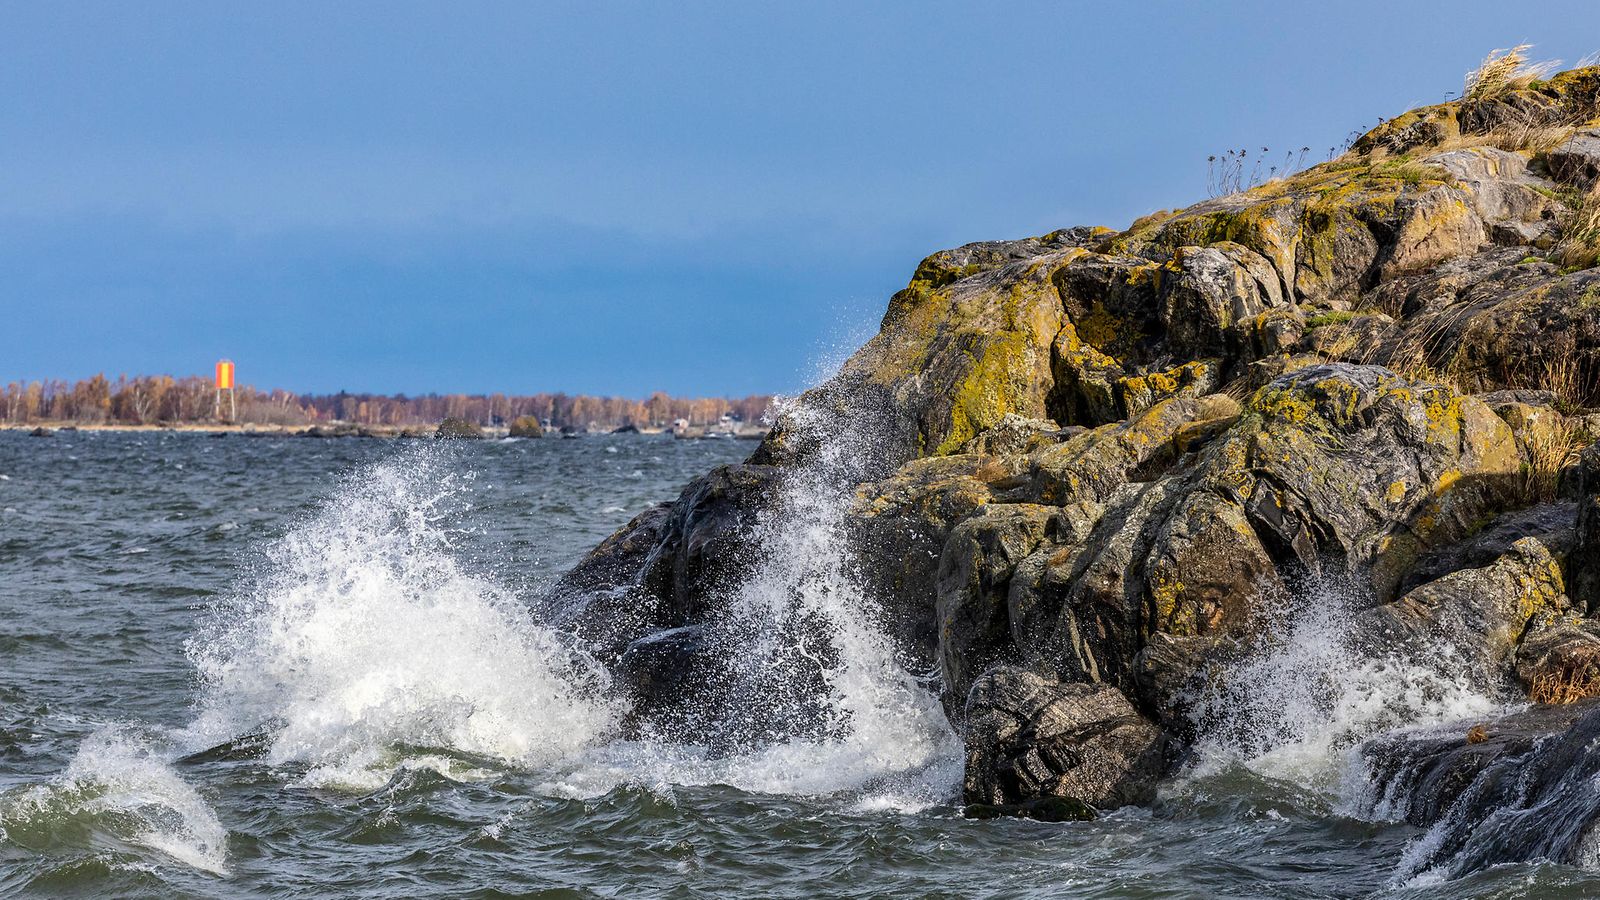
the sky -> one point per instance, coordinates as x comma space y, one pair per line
617, 198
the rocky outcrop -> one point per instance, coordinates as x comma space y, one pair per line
1084, 472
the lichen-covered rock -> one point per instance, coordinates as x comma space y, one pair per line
1089, 467
1029, 737
1476, 616
1512, 203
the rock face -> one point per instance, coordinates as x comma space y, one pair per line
1085, 472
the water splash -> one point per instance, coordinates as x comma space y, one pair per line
811, 697
369, 647
363, 634
1308, 694
117, 793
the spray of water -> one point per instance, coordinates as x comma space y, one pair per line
1308, 694
367, 646
362, 634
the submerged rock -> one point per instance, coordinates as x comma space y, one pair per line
1044, 809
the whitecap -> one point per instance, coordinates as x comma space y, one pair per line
117, 785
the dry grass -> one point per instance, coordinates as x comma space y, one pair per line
1528, 136
1566, 684
1504, 71
1560, 375
1580, 240
1549, 447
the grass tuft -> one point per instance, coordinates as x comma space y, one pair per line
1504, 71
1566, 684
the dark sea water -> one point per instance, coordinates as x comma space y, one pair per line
161, 594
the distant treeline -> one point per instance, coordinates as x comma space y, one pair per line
156, 399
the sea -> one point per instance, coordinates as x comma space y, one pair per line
268, 666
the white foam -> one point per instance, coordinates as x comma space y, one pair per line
130, 793
363, 635
1296, 709
374, 648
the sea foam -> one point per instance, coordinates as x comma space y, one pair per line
362, 634
118, 793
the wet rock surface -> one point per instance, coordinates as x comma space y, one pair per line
1524, 790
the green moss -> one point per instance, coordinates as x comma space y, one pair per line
1333, 317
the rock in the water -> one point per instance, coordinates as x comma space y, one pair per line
526, 427
1030, 738
458, 428
41, 431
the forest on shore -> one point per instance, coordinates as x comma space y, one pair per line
163, 399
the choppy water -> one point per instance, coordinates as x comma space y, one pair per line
162, 593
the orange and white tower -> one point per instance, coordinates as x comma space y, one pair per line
225, 383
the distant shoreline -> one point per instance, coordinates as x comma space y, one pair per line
348, 429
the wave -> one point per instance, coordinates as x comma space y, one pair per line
118, 793
368, 646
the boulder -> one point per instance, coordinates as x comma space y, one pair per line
1030, 738
1475, 617
526, 427
458, 429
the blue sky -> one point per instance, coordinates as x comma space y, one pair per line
618, 197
